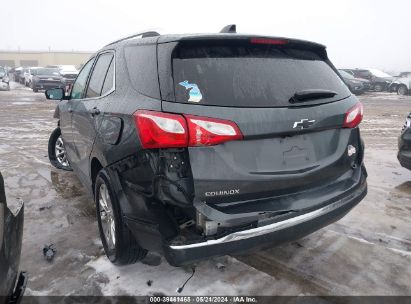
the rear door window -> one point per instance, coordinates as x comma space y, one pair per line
109, 80
250, 75
98, 75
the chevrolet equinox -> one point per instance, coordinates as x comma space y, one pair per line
209, 144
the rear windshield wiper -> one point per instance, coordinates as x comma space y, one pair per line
306, 95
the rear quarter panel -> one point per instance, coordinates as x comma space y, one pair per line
117, 137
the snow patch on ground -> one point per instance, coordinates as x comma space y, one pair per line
236, 278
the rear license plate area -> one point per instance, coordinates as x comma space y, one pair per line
296, 151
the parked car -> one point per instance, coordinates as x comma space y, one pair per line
4, 79
12, 283
203, 145
379, 80
403, 74
19, 75
401, 84
47, 78
356, 85
404, 144
28, 75
69, 74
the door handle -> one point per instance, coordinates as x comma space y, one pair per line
94, 111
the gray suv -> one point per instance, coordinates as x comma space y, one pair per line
200, 145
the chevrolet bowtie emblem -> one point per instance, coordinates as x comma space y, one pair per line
303, 123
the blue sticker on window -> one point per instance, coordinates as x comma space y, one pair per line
195, 94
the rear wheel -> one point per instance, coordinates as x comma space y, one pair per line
378, 87
402, 90
57, 151
119, 243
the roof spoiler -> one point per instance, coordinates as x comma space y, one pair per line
231, 28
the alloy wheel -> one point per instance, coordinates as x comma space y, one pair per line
107, 217
61, 154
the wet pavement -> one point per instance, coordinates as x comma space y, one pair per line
368, 252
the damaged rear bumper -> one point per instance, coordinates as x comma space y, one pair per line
275, 233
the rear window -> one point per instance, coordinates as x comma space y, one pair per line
250, 75
48, 71
363, 74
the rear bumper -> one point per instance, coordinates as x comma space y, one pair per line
46, 86
275, 233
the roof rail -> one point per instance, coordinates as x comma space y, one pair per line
142, 34
231, 28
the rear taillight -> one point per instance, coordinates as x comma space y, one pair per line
165, 130
161, 130
206, 131
353, 117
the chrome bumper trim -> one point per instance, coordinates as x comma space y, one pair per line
250, 233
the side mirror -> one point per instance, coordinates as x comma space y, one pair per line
55, 94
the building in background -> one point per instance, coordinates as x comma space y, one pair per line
38, 58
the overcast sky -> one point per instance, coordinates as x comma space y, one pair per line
360, 33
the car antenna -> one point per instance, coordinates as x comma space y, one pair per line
231, 29
180, 289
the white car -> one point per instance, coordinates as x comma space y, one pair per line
401, 84
4, 79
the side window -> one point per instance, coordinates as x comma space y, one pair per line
142, 69
80, 83
108, 82
98, 75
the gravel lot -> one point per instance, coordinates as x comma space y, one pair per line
368, 252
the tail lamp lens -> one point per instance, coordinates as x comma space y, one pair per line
354, 116
161, 130
165, 130
206, 131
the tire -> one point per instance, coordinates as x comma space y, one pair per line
402, 90
124, 250
378, 87
56, 144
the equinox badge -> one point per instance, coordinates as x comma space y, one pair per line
303, 123
222, 192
